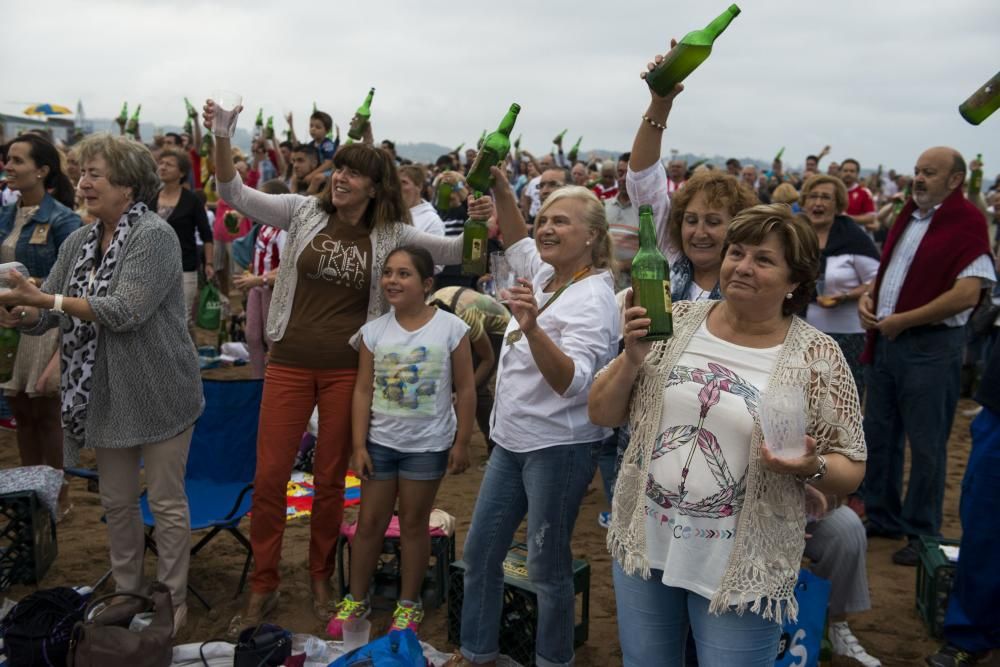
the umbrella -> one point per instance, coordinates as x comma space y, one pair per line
47, 110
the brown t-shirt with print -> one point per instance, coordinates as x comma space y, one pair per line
331, 299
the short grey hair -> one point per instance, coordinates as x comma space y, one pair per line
130, 164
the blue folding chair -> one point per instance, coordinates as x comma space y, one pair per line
220, 467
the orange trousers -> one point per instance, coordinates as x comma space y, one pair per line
289, 397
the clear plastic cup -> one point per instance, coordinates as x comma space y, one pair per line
503, 274
783, 421
227, 110
356, 633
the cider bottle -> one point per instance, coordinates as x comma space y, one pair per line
475, 241
258, 125
132, 129
191, 111
123, 115
9, 339
442, 202
559, 137
574, 151
651, 280
361, 117
690, 52
976, 178
983, 102
495, 148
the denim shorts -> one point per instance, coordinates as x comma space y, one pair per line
389, 463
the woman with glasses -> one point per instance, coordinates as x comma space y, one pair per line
848, 264
327, 287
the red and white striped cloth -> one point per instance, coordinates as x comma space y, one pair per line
267, 249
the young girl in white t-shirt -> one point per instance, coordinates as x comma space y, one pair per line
407, 433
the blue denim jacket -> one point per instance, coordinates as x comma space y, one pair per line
39, 258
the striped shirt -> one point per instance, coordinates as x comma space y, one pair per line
902, 259
267, 249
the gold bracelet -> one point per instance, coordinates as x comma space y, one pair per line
658, 126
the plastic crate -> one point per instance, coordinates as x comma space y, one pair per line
386, 581
519, 617
935, 577
27, 539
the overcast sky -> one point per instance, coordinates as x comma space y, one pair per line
878, 80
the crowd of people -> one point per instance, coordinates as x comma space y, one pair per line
856, 290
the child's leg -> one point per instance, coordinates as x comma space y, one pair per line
373, 519
416, 500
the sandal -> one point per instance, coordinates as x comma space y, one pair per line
247, 620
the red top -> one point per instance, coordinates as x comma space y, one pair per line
859, 201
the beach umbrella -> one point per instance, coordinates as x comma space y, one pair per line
47, 110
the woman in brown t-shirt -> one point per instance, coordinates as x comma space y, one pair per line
326, 288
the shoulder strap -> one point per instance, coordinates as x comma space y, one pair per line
454, 299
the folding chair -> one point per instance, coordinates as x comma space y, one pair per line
220, 467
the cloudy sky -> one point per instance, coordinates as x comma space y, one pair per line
878, 80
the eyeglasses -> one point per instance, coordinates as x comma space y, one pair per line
819, 196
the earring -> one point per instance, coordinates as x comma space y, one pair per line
790, 295
588, 242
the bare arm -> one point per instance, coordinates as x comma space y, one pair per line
361, 412
465, 405
646, 146
484, 351
512, 225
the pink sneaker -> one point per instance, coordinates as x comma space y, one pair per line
347, 609
408, 615
8, 424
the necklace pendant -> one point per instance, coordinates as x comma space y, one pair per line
513, 337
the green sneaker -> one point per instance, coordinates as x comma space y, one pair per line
348, 609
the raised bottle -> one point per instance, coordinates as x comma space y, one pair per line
191, 111
361, 118
482, 138
475, 241
269, 132
651, 280
574, 151
559, 137
495, 148
690, 52
976, 178
442, 201
258, 125
780, 153
983, 102
123, 115
132, 129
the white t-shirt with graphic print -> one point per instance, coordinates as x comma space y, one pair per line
698, 474
411, 399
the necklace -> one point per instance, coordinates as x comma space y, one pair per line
517, 334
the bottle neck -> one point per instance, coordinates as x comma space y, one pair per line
715, 28
647, 235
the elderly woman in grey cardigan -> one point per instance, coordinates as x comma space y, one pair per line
708, 525
131, 388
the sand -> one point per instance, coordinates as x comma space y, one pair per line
891, 631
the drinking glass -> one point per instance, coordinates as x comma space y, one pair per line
783, 420
356, 633
503, 274
227, 109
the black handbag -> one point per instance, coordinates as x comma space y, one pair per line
36, 632
984, 316
263, 645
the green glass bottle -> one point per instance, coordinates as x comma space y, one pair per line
559, 137
258, 125
574, 151
651, 280
897, 208
443, 199
191, 111
983, 102
269, 132
517, 143
495, 147
132, 129
123, 114
460, 147
780, 153
482, 138
825, 658
361, 117
475, 241
976, 178
690, 52
188, 126
9, 339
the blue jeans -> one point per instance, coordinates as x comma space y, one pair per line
607, 462
973, 618
653, 622
548, 485
913, 389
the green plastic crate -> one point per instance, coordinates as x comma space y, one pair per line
935, 577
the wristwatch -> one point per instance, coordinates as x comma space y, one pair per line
818, 475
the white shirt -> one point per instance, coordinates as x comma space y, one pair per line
902, 259
585, 324
411, 399
623, 225
532, 190
710, 405
426, 219
649, 186
843, 274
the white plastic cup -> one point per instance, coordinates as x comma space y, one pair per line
783, 421
227, 105
356, 633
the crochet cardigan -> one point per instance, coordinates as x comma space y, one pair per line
770, 534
